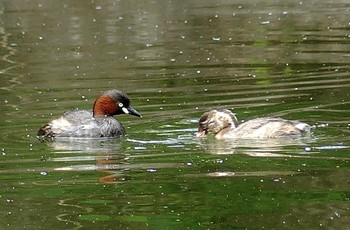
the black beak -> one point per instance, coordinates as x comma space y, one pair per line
132, 111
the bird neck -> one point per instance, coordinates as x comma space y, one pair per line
104, 106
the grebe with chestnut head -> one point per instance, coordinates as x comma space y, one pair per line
224, 124
92, 124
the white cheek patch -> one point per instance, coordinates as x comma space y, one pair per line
125, 110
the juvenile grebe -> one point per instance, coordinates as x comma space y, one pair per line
224, 124
94, 124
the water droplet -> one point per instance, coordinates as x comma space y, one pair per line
308, 149
140, 148
152, 170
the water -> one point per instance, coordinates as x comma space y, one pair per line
175, 61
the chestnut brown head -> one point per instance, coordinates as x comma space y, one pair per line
113, 102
